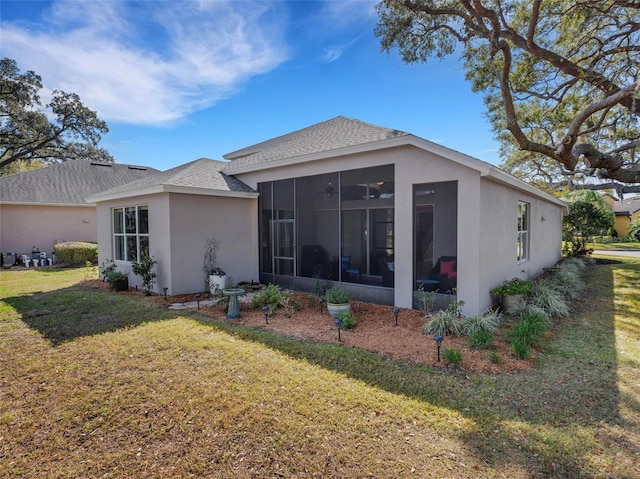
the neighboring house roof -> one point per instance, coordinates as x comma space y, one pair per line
199, 177
343, 136
628, 207
67, 183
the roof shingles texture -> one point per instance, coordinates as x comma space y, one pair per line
203, 173
69, 182
334, 134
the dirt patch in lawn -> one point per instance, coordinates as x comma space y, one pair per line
375, 330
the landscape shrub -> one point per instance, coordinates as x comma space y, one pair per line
75, 253
443, 322
289, 302
567, 281
528, 330
270, 296
453, 356
488, 321
348, 319
480, 339
550, 299
520, 350
495, 358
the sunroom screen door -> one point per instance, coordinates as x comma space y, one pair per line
284, 246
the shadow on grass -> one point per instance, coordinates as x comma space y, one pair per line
574, 385
69, 313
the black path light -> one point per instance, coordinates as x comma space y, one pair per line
396, 310
198, 299
321, 303
265, 310
165, 289
339, 325
438, 339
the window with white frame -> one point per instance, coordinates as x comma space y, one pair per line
130, 232
523, 232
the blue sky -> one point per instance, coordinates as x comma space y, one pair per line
178, 80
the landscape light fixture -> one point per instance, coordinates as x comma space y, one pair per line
339, 326
321, 303
396, 310
438, 339
198, 299
165, 289
265, 310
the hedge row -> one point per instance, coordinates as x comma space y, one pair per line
76, 253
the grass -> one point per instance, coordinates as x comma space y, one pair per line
96, 384
633, 246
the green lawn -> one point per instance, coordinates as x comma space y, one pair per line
96, 384
615, 246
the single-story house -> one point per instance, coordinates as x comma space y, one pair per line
626, 211
42, 207
376, 210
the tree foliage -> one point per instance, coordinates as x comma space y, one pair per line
560, 78
588, 216
634, 229
27, 135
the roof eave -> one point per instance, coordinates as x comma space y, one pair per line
37, 203
186, 190
505, 178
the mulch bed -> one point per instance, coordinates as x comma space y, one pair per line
375, 331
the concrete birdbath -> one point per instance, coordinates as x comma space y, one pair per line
234, 308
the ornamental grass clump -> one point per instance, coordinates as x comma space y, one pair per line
443, 322
526, 333
550, 299
488, 321
567, 281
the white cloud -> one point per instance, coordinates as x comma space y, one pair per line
148, 62
333, 52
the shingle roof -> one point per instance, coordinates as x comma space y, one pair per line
628, 206
69, 182
202, 174
339, 132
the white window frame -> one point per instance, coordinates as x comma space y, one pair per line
120, 234
523, 236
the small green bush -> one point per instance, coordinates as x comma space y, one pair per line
453, 356
347, 318
443, 322
289, 302
270, 296
521, 351
75, 253
513, 286
495, 358
480, 339
528, 330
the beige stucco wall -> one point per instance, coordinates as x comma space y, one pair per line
487, 222
24, 226
179, 225
498, 233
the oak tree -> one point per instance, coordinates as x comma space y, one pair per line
560, 79
64, 130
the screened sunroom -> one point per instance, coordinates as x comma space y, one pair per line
340, 228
